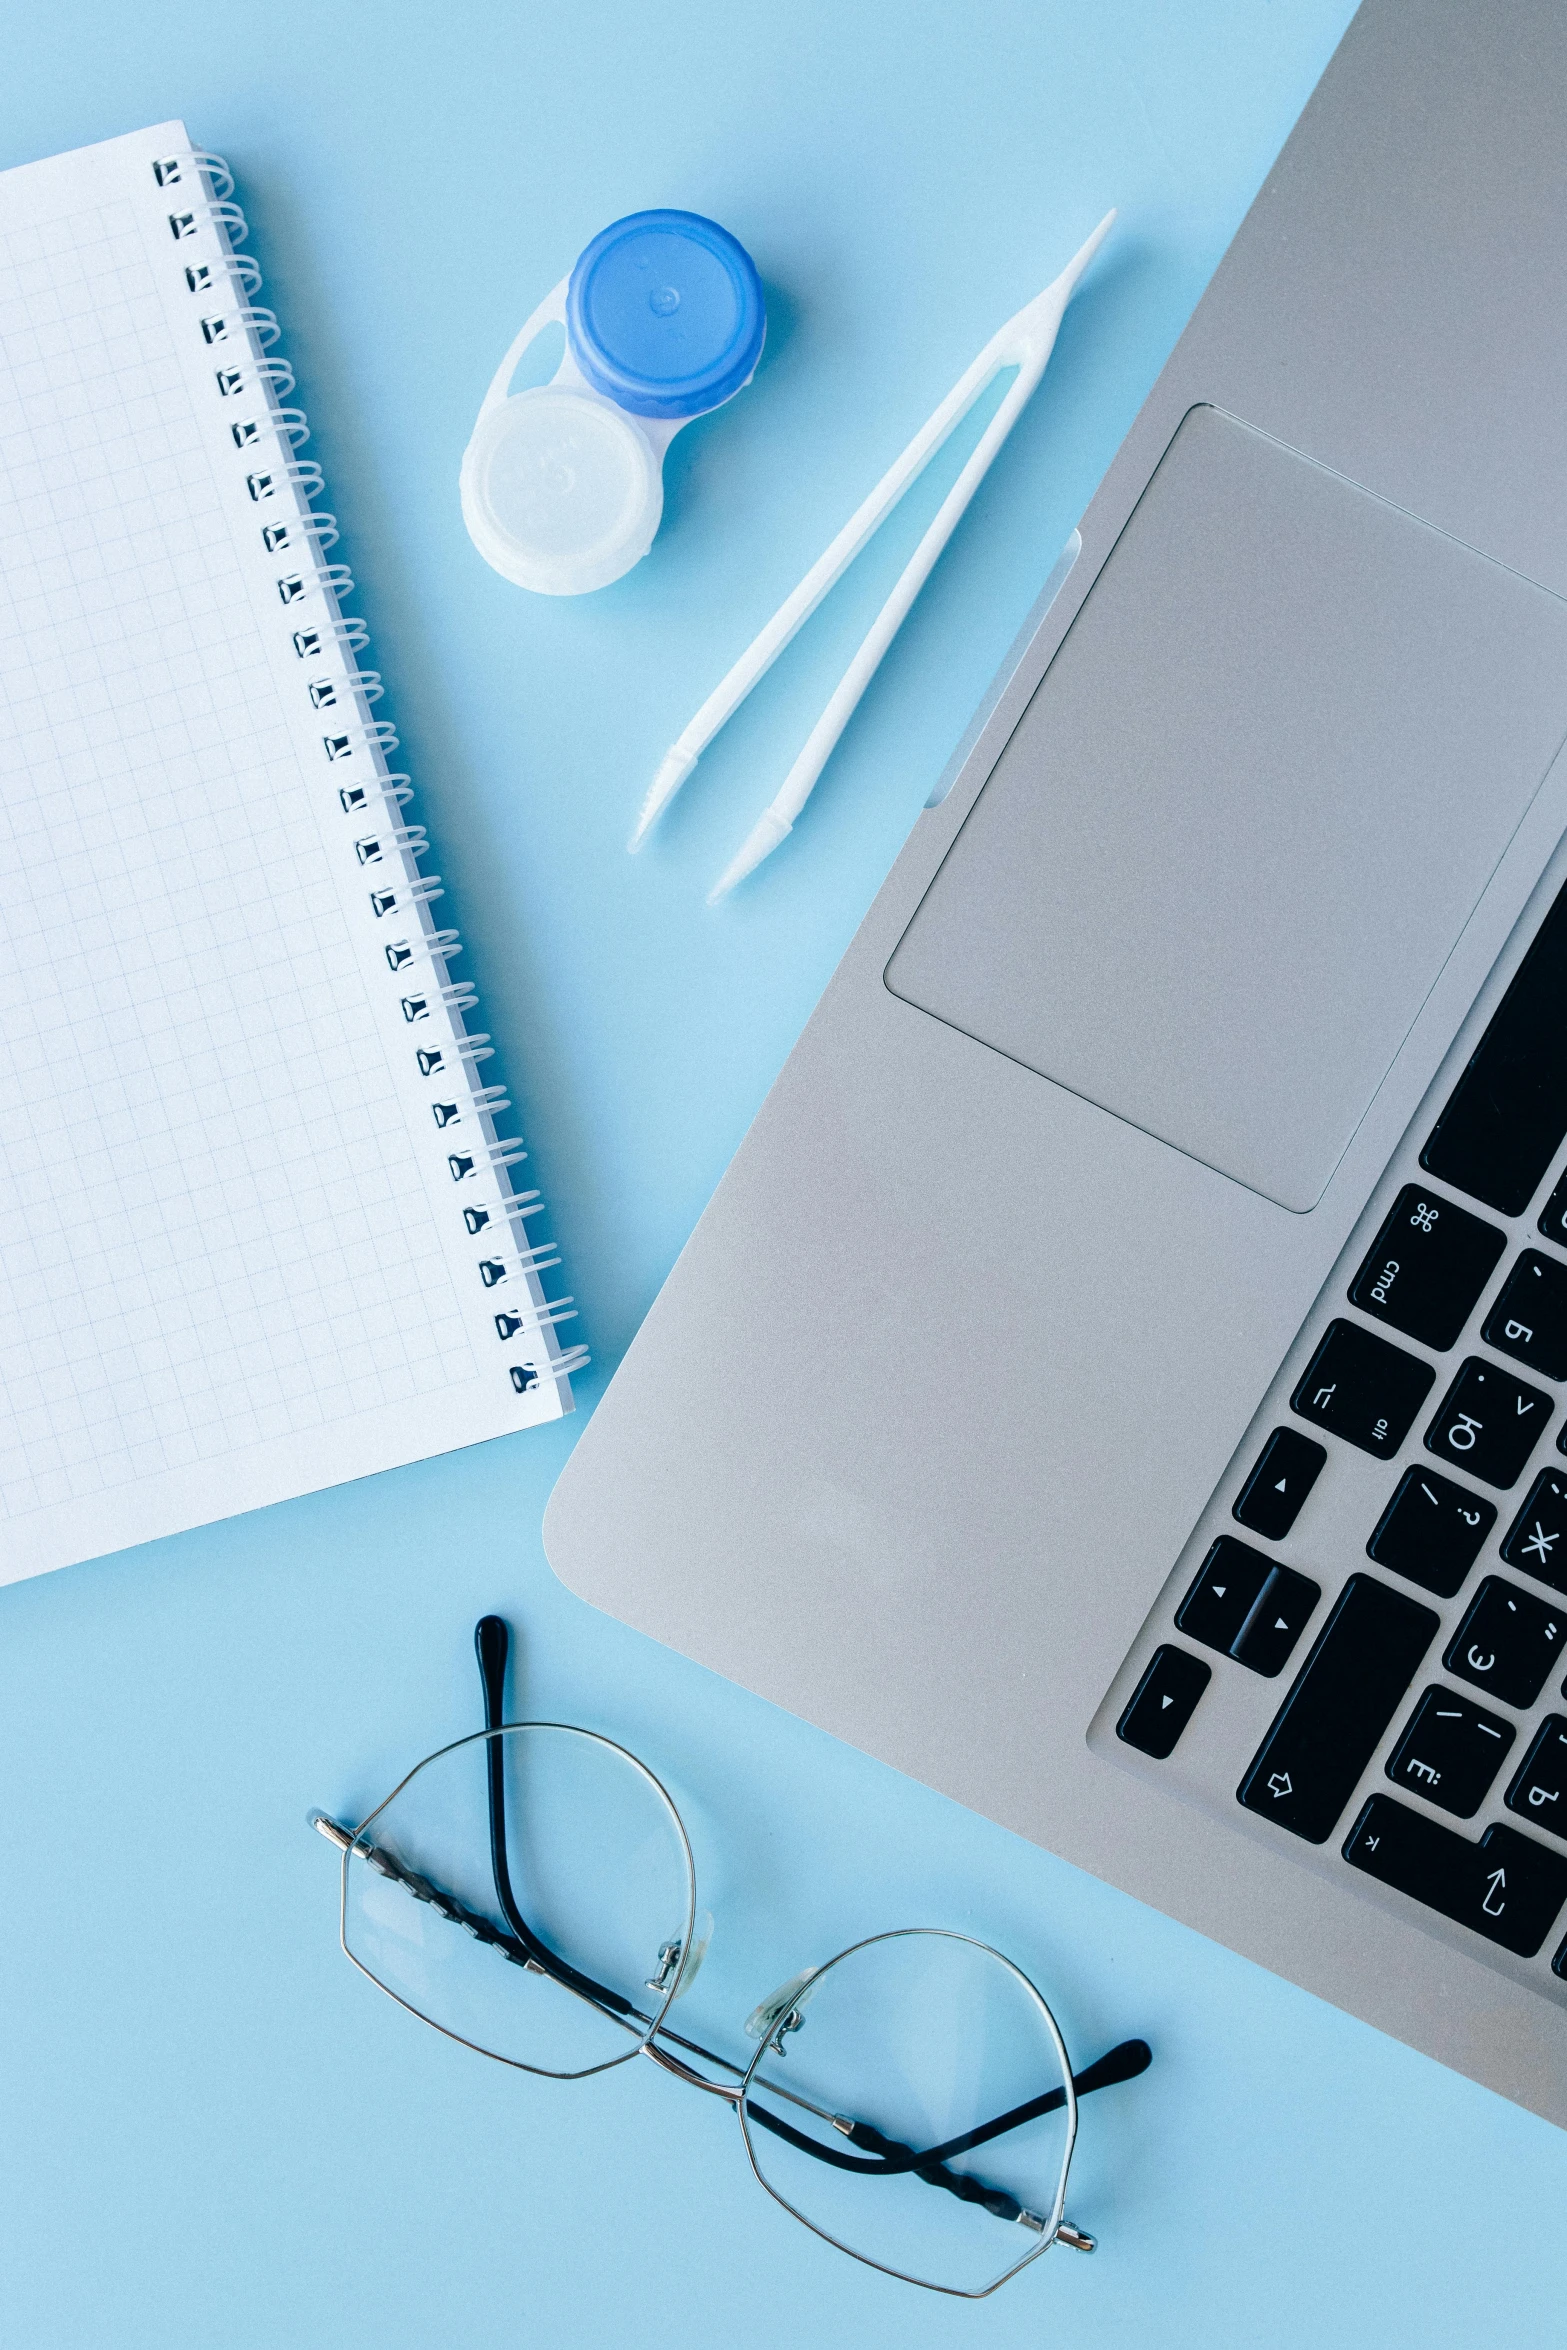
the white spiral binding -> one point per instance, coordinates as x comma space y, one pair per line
373, 847
176, 171
356, 798
288, 423
350, 636
242, 266
438, 947
323, 532
543, 1259
460, 997
239, 332
563, 1310
306, 580
343, 741
390, 897
224, 327
240, 375
304, 474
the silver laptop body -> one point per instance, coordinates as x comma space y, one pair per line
1010, 1413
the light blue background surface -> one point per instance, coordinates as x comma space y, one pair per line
216, 2134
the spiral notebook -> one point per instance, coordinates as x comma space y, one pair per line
259, 1231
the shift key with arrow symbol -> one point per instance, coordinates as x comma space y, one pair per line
1507, 1887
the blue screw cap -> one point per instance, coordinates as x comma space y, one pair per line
665, 314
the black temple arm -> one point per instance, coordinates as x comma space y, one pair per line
967, 2190
1122, 2063
492, 1642
884, 2157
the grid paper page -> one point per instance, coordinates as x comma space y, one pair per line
223, 1271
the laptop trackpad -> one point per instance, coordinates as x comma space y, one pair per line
1220, 863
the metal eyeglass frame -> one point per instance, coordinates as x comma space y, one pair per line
875, 2155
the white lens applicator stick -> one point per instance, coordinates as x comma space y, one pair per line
1025, 342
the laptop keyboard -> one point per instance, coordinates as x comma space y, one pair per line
1380, 1586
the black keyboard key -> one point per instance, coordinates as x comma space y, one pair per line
1163, 1702
1489, 1422
1508, 1112
1266, 1641
1245, 1606
1537, 1538
1426, 1268
1508, 1642
1450, 1752
1287, 1468
1432, 1531
1228, 1585
1358, 1387
1529, 1318
1333, 1719
1559, 1963
1539, 1791
1506, 1887
1553, 1216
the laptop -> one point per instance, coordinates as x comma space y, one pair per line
1121, 1379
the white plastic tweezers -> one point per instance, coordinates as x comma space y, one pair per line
1025, 342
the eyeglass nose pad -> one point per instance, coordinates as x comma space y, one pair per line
764, 2021
701, 1936
689, 1963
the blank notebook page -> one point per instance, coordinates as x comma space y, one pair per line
255, 1230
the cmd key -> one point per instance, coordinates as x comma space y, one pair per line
1507, 1887
1426, 1268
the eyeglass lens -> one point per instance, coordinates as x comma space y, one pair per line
594, 1882
916, 2042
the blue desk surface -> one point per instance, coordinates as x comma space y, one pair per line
217, 2137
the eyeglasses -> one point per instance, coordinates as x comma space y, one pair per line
530, 1891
